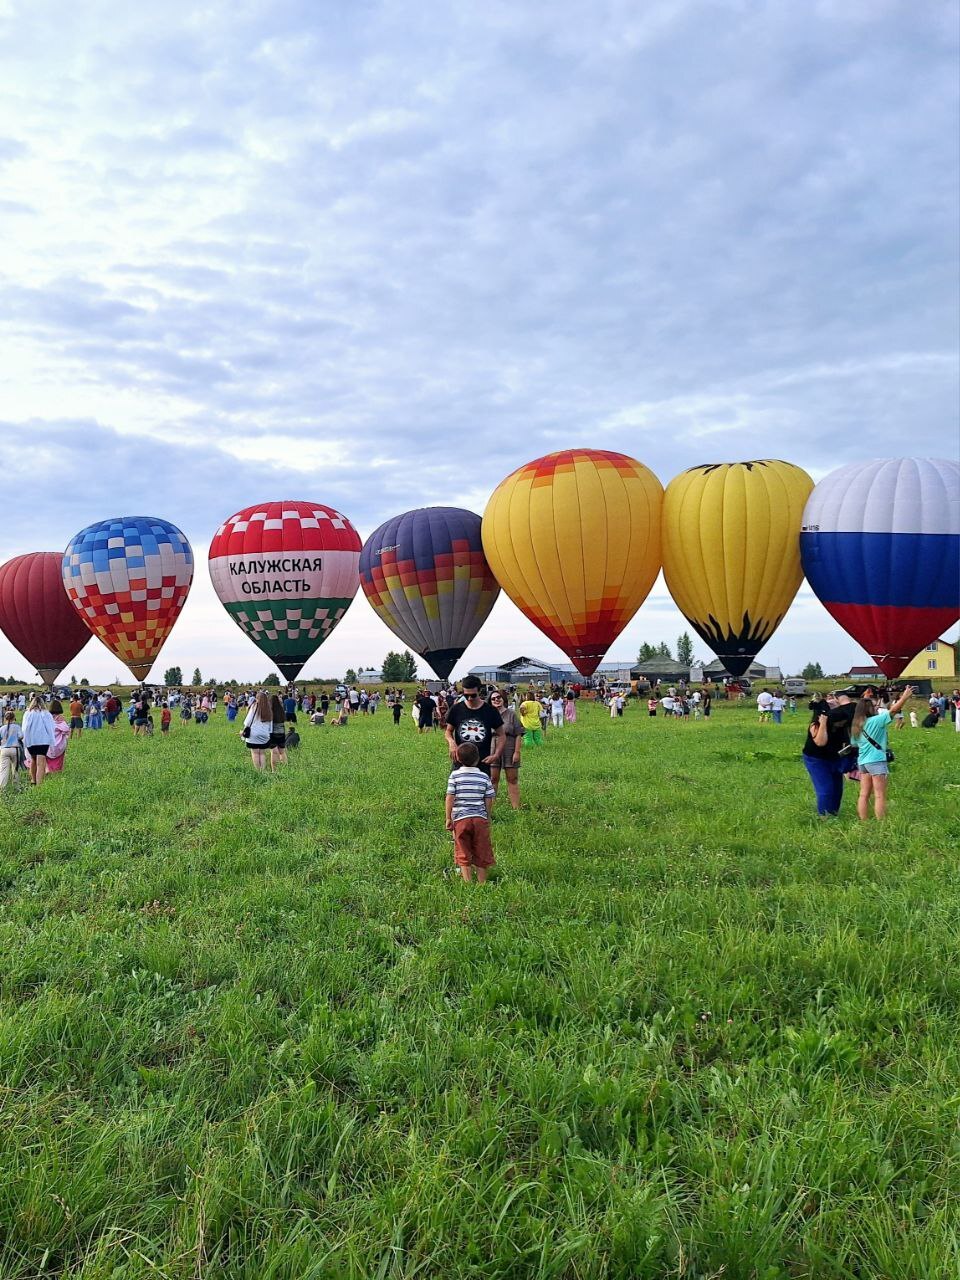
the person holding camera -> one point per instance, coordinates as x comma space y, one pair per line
823, 758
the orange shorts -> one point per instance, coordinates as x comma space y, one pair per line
471, 843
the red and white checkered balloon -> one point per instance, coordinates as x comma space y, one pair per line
286, 572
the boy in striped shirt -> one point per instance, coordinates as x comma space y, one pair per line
469, 800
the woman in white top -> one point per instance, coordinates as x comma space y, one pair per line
10, 739
257, 728
556, 710
38, 735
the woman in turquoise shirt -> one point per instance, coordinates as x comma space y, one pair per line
868, 733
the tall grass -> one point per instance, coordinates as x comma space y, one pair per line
249, 1029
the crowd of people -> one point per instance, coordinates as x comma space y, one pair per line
486, 732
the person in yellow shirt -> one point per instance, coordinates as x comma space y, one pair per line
529, 712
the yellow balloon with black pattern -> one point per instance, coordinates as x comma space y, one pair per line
731, 551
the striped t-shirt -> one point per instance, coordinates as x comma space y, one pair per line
469, 788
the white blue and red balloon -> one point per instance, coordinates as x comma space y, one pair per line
880, 546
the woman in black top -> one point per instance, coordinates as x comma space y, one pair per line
821, 756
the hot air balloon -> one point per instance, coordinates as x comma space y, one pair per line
574, 540
730, 554
286, 572
128, 579
425, 574
880, 545
36, 616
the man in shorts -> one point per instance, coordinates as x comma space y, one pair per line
141, 713
76, 717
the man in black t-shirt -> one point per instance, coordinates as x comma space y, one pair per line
474, 720
426, 711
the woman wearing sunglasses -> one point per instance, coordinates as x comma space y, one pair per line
510, 758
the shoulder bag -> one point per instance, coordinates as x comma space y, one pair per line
877, 747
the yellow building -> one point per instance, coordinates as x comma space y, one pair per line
938, 661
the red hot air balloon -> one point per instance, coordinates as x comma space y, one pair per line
36, 615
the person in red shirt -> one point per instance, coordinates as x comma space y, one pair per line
76, 718
165, 719
111, 709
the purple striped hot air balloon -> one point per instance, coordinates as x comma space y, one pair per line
425, 574
880, 546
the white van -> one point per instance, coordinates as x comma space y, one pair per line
795, 685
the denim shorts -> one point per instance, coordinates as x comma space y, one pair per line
878, 770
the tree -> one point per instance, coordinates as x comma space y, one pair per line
399, 667
351, 676
409, 665
197, 677
647, 652
663, 650
272, 679
685, 649
84, 680
391, 669
812, 671
173, 675
73, 679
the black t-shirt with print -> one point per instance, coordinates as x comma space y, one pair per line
474, 724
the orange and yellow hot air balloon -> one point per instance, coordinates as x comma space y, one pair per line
731, 551
574, 540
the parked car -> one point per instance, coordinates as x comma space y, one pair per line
795, 685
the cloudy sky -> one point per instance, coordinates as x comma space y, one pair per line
378, 253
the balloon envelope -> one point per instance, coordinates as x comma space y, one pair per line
36, 616
128, 579
286, 572
574, 540
880, 544
730, 554
425, 574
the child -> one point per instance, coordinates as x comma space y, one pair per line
165, 718
470, 796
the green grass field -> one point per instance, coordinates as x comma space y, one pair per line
249, 1028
